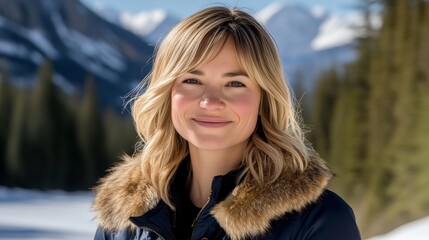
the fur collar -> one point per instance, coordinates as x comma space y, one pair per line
246, 212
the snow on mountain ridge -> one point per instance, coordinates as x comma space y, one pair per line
90, 54
17, 50
312, 26
36, 37
341, 30
143, 23
78, 44
268, 12
333, 32
293, 27
107, 13
318, 11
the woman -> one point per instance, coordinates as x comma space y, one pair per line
223, 154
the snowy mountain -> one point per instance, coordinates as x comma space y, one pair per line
105, 12
82, 42
309, 40
77, 41
292, 26
152, 25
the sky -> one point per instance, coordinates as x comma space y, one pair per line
183, 8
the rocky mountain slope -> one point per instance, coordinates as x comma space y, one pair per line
77, 41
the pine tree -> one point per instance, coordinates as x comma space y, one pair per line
49, 124
91, 136
379, 127
41, 130
340, 116
406, 150
120, 135
67, 149
6, 96
301, 96
396, 117
17, 143
348, 134
325, 97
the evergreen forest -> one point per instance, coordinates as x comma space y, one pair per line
371, 121
50, 140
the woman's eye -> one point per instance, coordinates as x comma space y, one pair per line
235, 84
191, 81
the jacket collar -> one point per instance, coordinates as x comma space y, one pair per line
247, 211
221, 187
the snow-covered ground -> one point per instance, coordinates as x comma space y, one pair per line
417, 230
26, 214
35, 215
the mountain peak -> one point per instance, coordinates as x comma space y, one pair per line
77, 41
293, 27
150, 25
144, 22
265, 14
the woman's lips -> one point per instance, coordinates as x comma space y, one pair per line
211, 122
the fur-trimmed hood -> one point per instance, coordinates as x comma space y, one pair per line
247, 211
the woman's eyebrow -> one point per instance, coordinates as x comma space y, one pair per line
228, 74
197, 72
235, 74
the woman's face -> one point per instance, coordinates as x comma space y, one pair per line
215, 107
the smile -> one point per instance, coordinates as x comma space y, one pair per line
211, 122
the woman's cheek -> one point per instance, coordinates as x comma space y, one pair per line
246, 104
180, 96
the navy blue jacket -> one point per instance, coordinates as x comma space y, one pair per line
296, 207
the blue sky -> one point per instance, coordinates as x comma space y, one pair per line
183, 8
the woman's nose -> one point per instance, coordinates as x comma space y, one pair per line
212, 102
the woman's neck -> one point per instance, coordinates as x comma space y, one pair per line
206, 165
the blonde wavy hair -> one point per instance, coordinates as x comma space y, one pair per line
277, 144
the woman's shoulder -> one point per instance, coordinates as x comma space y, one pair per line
329, 217
333, 204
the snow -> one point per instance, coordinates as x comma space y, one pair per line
318, 11
265, 14
28, 214
300, 30
339, 30
34, 35
36, 215
39, 40
61, 81
97, 56
335, 31
143, 23
108, 13
417, 230
20, 51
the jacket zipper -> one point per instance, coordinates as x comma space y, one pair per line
199, 213
151, 230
